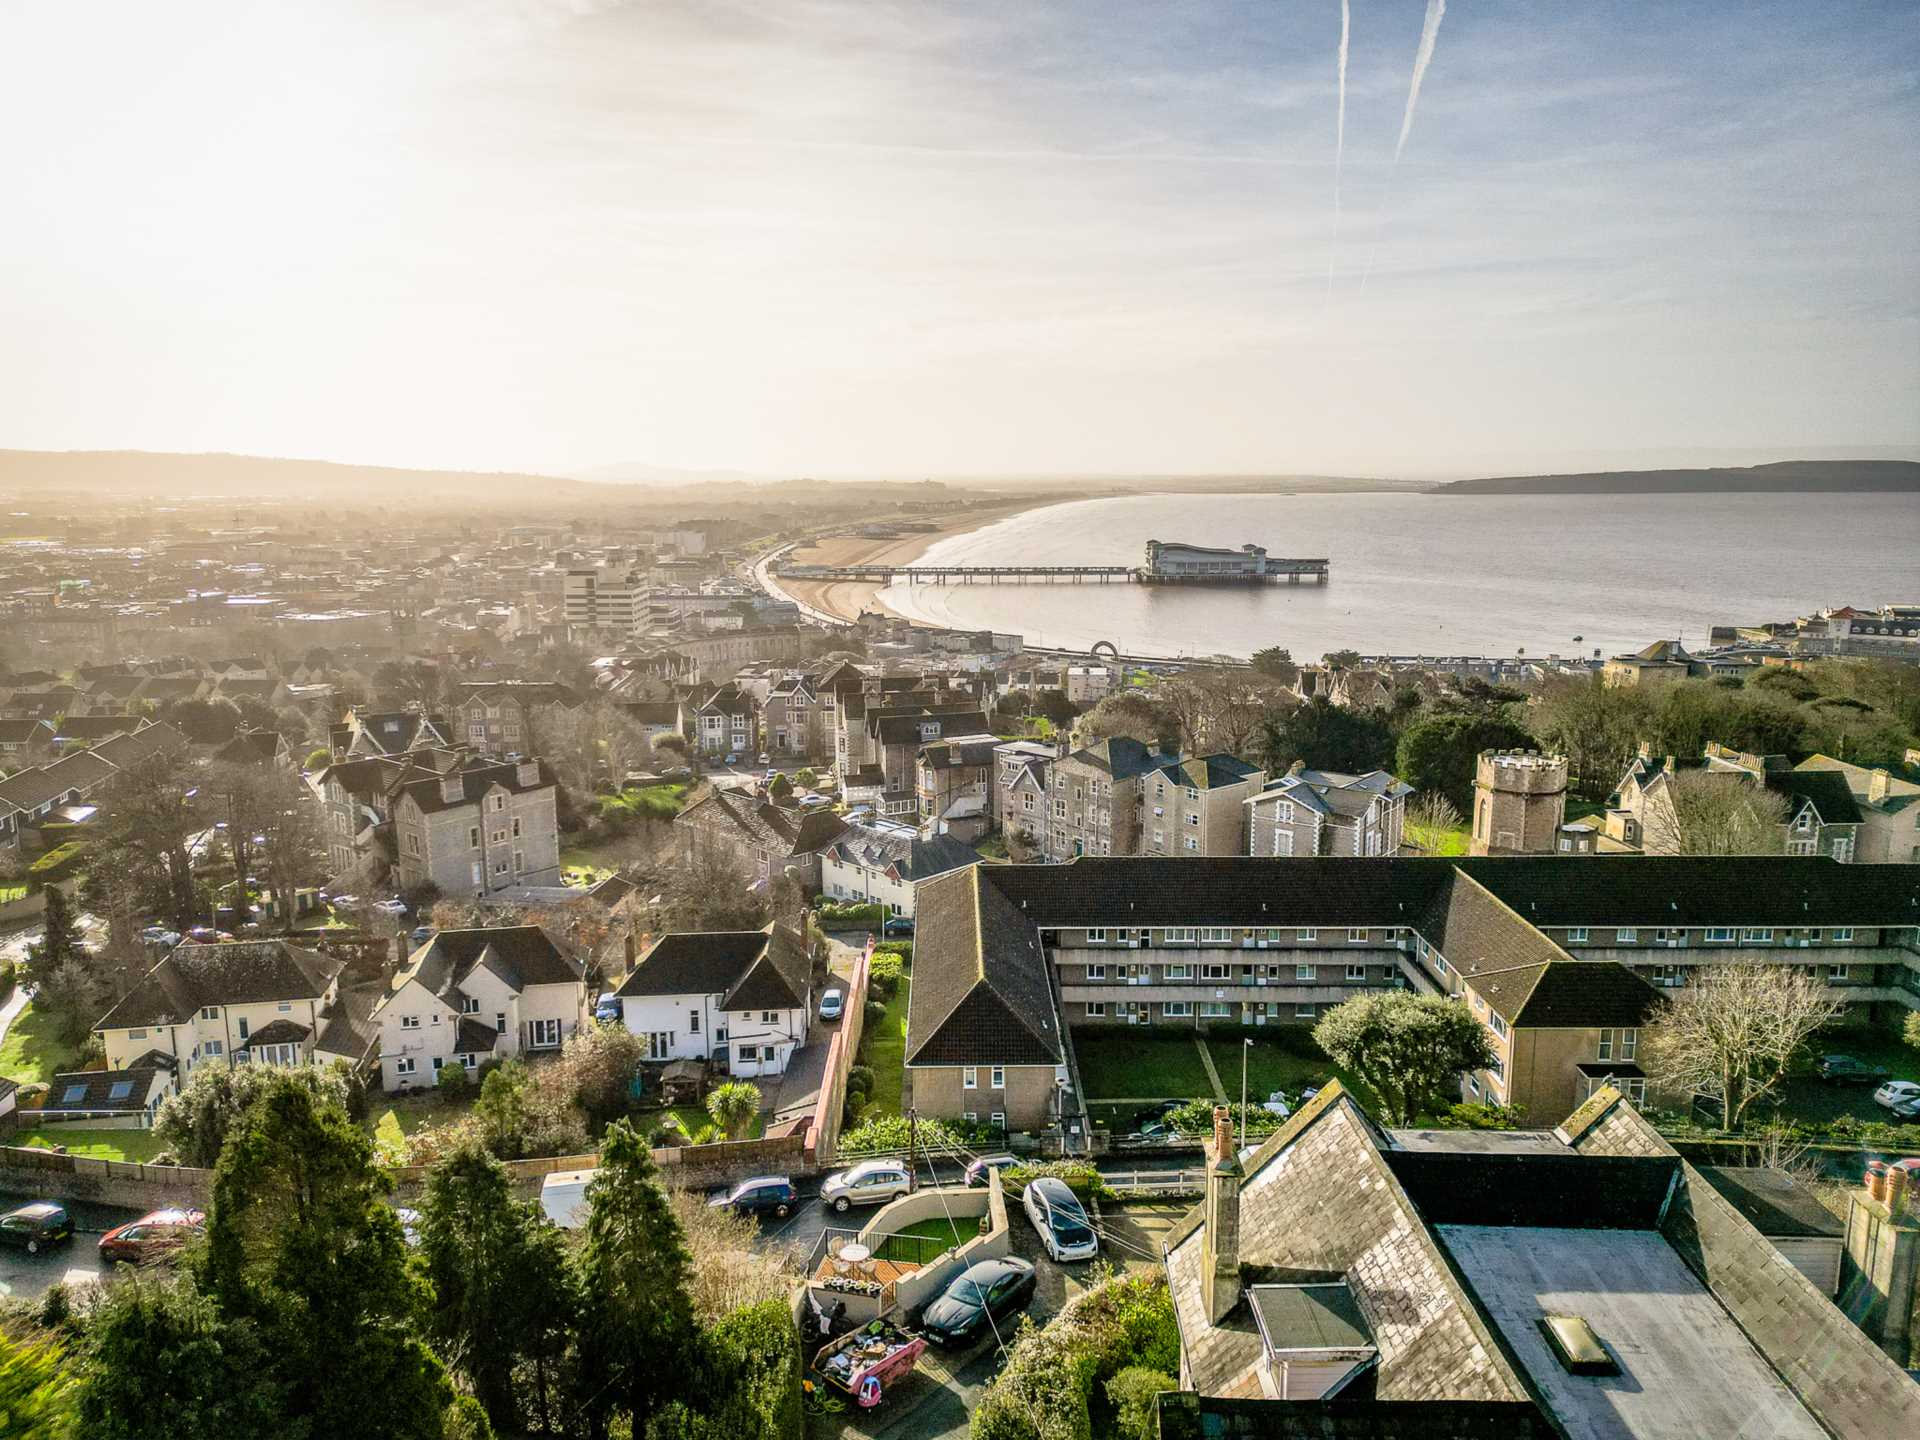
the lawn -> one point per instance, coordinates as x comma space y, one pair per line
95, 1144
883, 1049
1811, 1100
948, 1234
1439, 842
1137, 1064
1284, 1059
31, 1051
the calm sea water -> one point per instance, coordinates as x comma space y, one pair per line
1413, 573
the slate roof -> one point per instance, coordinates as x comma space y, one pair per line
125, 1091
1567, 994
475, 781
24, 732
141, 745
474, 1037
522, 692
251, 747
348, 1028
902, 727
1828, 793
958, 751
277, 1032
750, 969
81, 770
903, 851
1120, 756
234, 972
1773, 1202
781, 831
1208, 772
393, 732
96, 727
981, 995
521, 955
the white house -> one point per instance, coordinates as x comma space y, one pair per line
882, 863
741, 998
469, 996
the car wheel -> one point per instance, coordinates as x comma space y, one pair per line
842, 1205
33, 1247
781, 1211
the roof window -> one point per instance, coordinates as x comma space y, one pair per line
1576, 1347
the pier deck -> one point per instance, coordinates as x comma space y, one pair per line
1276, 570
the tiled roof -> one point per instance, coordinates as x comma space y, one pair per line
1567, 994
981, 995
236, 972
348, 1028
126, 1091
1207, 772
751, 969
521, 955
475, 781
1120, 756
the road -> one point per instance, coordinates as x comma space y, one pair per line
77, 1262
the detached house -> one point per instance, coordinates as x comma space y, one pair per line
1322, 812
244, 1002
469, 996
884, 864
740, 998
722, 721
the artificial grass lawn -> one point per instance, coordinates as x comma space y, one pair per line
949, 1234
1137, 1064
883, 1049
132, 1145
31, 1051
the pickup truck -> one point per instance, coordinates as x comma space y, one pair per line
1845, 1070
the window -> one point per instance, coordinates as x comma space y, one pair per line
1627, 935
1216, 1009
1839, 974
769, 1017
1096, 937
1177, 1009
998, 1079
469, 1005
999, 1119
1356, 937
1193, 817
1305, 1012
1356, 972
409, 1022
403, 1066
693, 1022
1619, 1044
543, 1034
437, 1063
1191, 842
1308, 936
1635, 1087
214, 1048
210, 1012
1179, 972
1719, 933
972, 1117
1760, 935
1577, 935
1096, 972
243, 1027
283, 1007
970, 1078
1217, 935
1096, 1010
1843, 934
1305, 972
516, 827
473, 837
136, 1034
1180, 935
1499, 1024
1213, 972
660, 1045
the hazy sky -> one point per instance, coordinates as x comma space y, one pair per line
818, 236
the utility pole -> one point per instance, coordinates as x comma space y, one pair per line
1245, 1046
913, 1135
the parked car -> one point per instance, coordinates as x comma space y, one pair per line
344, 902
872, 1182
733, 758
1895, 1091
34, 1227
1060, 1219
420, 935
607, 1007
979, 1298
1152, 1113
160, 935
155, 1236
1276, 1104
762, 1195
897, 925
1156, 1132
766, 759
832, 1003
978, 1171
207, 935
392, 906
1845, 1070
1908, 1109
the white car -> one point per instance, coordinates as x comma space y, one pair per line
1896, 1092
1060, 1220
390, 907
872, 1182
832, 1003
1276, 1104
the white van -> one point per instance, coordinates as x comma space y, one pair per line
563, 1196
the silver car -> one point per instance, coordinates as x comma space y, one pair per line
872, 1182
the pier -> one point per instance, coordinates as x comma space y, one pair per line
1274, 570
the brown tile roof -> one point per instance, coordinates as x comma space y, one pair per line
981, 994
236, 972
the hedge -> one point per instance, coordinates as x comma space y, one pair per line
839, 913
751, 1384
57, 862
1081, 1178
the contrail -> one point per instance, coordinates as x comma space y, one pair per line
1339, 139
1429, 35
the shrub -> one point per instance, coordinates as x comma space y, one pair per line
882, 988
194, 1122
873, 1014
1481, 1117
860, 1080
750, 1385
319, 757
455, 1086
1131, 1394
887, 966
1195, 1119
843, 914
902, 948
890, 1132
1081, 1178
9, 977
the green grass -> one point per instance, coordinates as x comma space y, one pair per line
694, 1122
1439, 842
11, 893
883, 1049
949, 1233
1136, 1064
32, 1052
132, 1145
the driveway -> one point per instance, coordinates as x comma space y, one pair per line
806, 1071
77, 1262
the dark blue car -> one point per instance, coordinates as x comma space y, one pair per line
762, 1195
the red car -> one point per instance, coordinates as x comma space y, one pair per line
153, 1236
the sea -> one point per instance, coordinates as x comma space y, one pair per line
1430, 574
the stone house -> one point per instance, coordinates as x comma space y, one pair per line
480, 828
1889, 809
723, 720
793, 720
1821, 816
1323, 812
761, 839
497, 717
1094, 799
392, 732
952, 780
470, 996
1199, 806
1519, 804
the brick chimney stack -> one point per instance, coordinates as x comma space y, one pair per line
1220, 1279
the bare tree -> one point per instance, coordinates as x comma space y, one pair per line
1714, 812
1431, 817
730, 1269
1732, 1033
590, 744
1222, 709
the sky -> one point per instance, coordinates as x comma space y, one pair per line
824, 237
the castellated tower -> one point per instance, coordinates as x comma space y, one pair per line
1519, 802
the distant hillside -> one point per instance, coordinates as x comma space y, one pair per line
1789, 475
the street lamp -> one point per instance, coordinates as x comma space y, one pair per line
1246, 1044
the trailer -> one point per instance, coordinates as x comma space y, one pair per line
862, 1363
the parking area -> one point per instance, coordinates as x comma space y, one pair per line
76, 1262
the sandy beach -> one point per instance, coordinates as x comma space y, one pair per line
847, 599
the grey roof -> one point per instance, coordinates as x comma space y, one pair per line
1567, 994
235, 972
781, 831
750, 969
1773, 1202
1208, 772
980, 994
521, 955
475, 781
348, 1028
127, 1091
1120, 756
905, 852
1310, 1317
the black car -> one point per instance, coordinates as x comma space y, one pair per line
1845, 1070
982, 1296
762, 1195
34, 1227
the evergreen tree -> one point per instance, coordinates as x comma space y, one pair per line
301, 1244
503, 1295
638, 1339
61, 943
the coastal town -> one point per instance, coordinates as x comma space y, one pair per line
535, 836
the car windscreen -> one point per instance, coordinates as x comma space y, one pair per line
965, 1290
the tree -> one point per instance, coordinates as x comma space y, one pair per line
205, 722
501, 1110
162, 1363
780, 791
194, 1122
591, 745
1595, 725
273, 826
302, 1244
1733, 1031
1340, 659
1132, 713
638, 1334
1276, 662
1431, 820
1405, 1047
805, 778
504, 1300
730, 1270
1442, 751
1910, 1029
1714, 812
60, 942
597, 1068
36, 1389
74, 994
141, 857
1324, 736
733, 1106
1221, 709
1054, 707
319, 758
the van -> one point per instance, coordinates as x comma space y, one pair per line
563, 1198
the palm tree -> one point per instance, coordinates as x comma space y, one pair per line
733, 1106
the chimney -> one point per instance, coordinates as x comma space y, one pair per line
453, 787
1298, 767
528, 773
1878, 783
1220, 1277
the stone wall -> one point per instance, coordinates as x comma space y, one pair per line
107, 1182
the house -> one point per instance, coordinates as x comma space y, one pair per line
721, 721
357, 796
739, 998
1324, 812
1094, 803
393, 732
1198, 806
470, 996
984, 1041
24, 739
479, 828
1019, 798
240, 1002
498, 717
952, 778
1584, 1282
1661, 663
884, 864
1820, 816
90, 729
762, 839
794, 719
261, 748
1889, 809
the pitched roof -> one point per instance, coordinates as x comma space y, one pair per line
234, 972
1567, 994
750, 969
1828, 793
781, 831
1120, 756
251, 747
521, 955
1208, 772
475, 781
348, 1028
981, 995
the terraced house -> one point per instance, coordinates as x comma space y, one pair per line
1562, 961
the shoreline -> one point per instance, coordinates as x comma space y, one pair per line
847, 599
